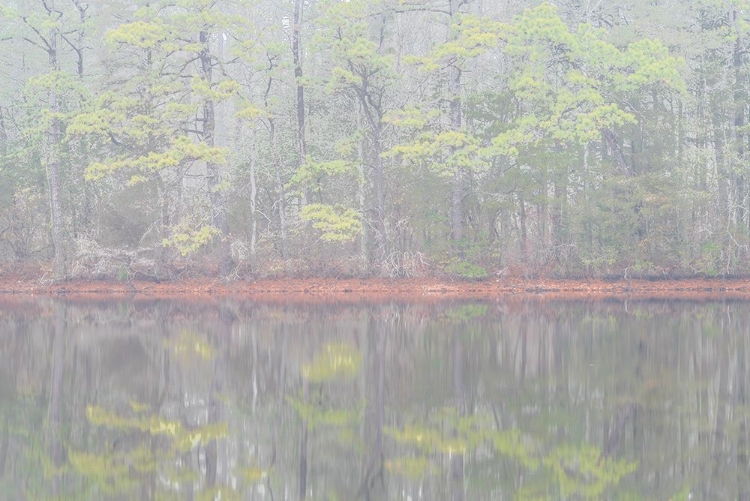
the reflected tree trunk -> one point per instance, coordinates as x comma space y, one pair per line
303, 446
54, 412
373, 478
722, 399
457, 459
740, 404
216, 407
4, 447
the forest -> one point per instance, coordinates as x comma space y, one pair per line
159, 139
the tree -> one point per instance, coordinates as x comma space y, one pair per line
57, 31
361, 66
157, 125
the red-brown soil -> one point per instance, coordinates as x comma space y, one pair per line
381, 290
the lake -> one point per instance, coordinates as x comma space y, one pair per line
534, 399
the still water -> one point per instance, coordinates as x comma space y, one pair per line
481, 400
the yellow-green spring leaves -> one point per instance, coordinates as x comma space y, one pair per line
336, 223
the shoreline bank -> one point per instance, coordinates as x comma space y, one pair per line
383, 290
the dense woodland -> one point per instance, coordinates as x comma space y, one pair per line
246, 138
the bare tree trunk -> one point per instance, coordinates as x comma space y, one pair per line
281, 193
522, 224
456, 118
377, 160
53, 155
370, 103
213, 171
253, 197
364, 241
616, 150
559, 212
297, 55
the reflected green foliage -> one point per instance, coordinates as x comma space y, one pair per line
223, 493
411, 467
317, 415
108, 474
580, 472
333, 361
583, 473
190, 346
465, 313
183, 439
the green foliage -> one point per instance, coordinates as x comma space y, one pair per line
187, 239
141, 34
465, 313
567, 80
356, 57
472, 36
589, 142
180, 152
465, 269
443, 152
337, 223
311, 173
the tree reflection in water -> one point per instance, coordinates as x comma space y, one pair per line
236, 400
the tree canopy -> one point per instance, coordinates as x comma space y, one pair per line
252, 138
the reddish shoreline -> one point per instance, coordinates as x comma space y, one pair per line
380, 290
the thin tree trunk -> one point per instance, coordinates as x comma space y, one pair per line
377, 159
297, 55
456, 118
559, 211
213, 170
364, 241
282, 197
522, 224
372, 110
253, 197
53, 158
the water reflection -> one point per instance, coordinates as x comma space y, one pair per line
495, 400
